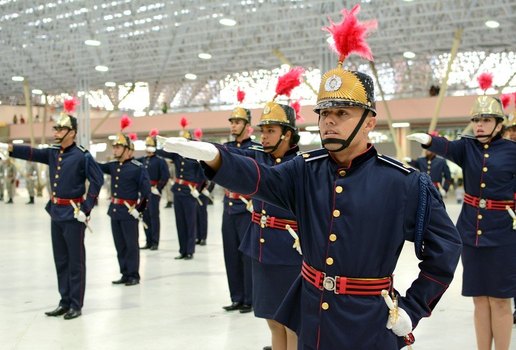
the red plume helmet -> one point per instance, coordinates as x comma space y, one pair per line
133, 136
296, 105
485, 81
506, 100
153, 132
184, 122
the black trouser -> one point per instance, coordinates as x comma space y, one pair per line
125, 235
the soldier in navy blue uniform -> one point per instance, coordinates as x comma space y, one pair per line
436, 168
130, 190
189, 178
159, 175
276, 262
488, 259
70, 166
236, 219
355, 209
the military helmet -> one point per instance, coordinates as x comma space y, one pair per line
487, 106
278, 114
66, 121
344, 88
150, 141
123, 140
240, 112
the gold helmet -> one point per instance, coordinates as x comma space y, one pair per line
122, 139
240, 112
65, 119
150, 141
185, 132
340, 87
487, 106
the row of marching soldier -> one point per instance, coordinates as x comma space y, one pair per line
323, 229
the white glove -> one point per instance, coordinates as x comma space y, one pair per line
206, 192
194, 192
420, 137
135, 213
80, 216
155, 190
442, 192
400, 325
191, 149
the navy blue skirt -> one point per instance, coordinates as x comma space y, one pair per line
489, 271
270, 285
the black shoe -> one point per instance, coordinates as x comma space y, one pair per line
197, 241
245, 309
188, 257
10, 201
202, 242
169, 205
146, 247
132, 282
267, 348
179, 257
122, 280
60, 310
154, 247
234, 306
72, 313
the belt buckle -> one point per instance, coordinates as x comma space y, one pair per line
482, 203
263, 221
329, 283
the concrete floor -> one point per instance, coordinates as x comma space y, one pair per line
176, 306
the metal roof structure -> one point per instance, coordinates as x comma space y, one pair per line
155, 43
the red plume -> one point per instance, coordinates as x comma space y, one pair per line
198, 133
297, 108
289, 81
485, 81
153, 132
133, 136
125, 122
184, 122
350, 34
70, 104
240, 95
250, 130
506, 100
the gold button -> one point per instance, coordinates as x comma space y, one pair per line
484, 169
59, 159
116, 178
278, 160
479, 217
182, 169
338, 189
179, 189
57, 176
479, 232
116, 185
61, 151
306, 155
329, 261
333, 237
114, 194
53, 193
483, 185
118, 170
486, 146
325, 306
182, 163
262, 240
230, 204
486, 155
342, 172
55, 184
263, 211
336, 213
114, 209
58, 168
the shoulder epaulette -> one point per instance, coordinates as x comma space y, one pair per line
82, 148
137, 163
315, 154
396, 163
256, 148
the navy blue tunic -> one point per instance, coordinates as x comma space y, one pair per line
353, 222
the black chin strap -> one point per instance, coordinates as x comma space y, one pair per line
272, 149
60, 139
120, 156
490, 136
242, 131
345, 143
